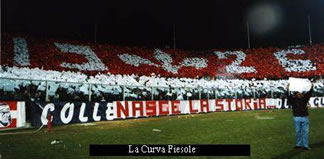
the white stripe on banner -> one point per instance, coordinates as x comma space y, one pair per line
21, 120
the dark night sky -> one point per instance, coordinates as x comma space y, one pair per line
149, 23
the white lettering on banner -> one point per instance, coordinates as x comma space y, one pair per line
95, 113
93, 64
281, 103
82, 118
49, 106
294, 65
21, 52
70, 107
234, 67
286, 103
111, 111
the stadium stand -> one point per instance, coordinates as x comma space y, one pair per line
69, 67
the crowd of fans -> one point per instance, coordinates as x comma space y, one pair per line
65, 86
75, 70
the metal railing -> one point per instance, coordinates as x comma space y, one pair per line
151, 93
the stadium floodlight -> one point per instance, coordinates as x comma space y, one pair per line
264, 17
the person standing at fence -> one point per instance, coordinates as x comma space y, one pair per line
299, 102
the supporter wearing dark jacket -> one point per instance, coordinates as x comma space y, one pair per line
299, 102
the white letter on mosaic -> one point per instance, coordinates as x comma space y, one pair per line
93, 64
21, 52
294, 65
